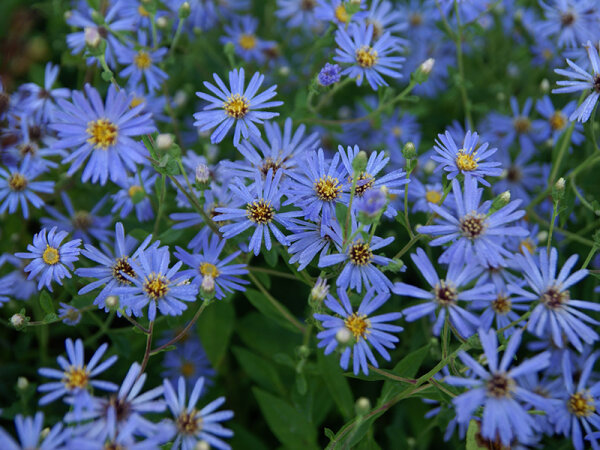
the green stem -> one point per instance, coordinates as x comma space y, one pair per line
461, 68
554, 214
183, 332
161, 205
589, 257
147, 351
177, 35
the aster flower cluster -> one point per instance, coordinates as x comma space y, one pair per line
284, 203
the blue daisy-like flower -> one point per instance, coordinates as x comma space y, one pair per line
445, 294
31, 434
474, 234
113, 265
17, 187
76, 376
52, 259
242, 34
306, 240
359, 331
191, 425
424, 194
209, 264
569, 22
142, 64
237, 106
555, 308
298, 13
156, 285
557, 120
582, 80
41, 100
135, 194
498, 390
335, 11
261, 211
69, 314
470, 158
367, 59
103, 132
16, 277
384, 18
521, 176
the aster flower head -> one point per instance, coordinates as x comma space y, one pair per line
142, 64
446, 294
17, 187
521, 175
102, 132
208, 264
384, 17
555, 312
505, 401
367, 58
569, 22
240, 106
191, 425
557, 120
52, 259
262, 201
69, 314
299, 13
242, 34
474, 234
40, 101
470, 158
358, 332
31, 434
156, 285
17, 277
329, 74
31, 138
76, 376
135, 194
582, 80
187, 360
424, 194
336, 11
306, 240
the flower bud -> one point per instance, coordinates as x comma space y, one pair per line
202, 174
284, 71
112, 301
500, 202
18, 320
542, 236
409, 151
359, 164
164, 141
92, 37
319, 290
22, 383
362, 406
427, 66
545, 86
44, 433
343, 336
558, 190
184, 10
208, 284
202, 445
162, 22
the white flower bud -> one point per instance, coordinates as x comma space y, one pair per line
22, 383
560, 184
179, 99
17, 320
343, 336
505, 197
162, 22
202, 445
319, 290
427, 66
284, 71
92, 36
362, 406
202, 173
208, 284
112, 301
429, 166
542, 236
164, 141
44, 433
545, 86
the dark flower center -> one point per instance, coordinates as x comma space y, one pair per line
269, 163
499, 385
4, 102
514, 174
156, 286
596, 83
120, 267
260, 212
188, 423
554, 298
360, 253
122, 408
363, 184
445, 293
501, 304
27, 149
473, 225
35, 133
567, 18
308, 5
522, 124
415, 20
581, 404
82, 220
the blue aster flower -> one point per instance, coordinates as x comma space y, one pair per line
142, 63
470, 158
156, 285
384, 18
396, 131
17, 187
367, 58
52, 259
557, 120
330, 74
570, 22
191, 425
360, 264
318, 186
501, 310
358, 332
32, 139
81, 223
577, 404
207, 263
242, 34
238, 105
41, 101
69, 314
283, 150
30, 432
135, 194
306, 240
445, 294
76, 376
102, 132
555, 309
371, 203
299, 13
474, 234
498, 390
261, 211
582, 80
103, 418
335, 11
368, 180
423, 194
17, 277
521, 176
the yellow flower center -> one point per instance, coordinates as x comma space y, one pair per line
358, 325
557, 121
328, 188
260, 212
522, 124
247, 41
103, 133
188, 369
142, 60
501, 304
466, 161
236, 106
366, 56
581, 404
397, 131
143, 12
363, 184
76, 378
433, 196
17, 182
134, 190
51, 255
360, 253
136, 101
207, 268
341, 14
527, 245
188, 423
499, 386
156, 286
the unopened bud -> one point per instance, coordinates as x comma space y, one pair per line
505, 197
542, 236
208, 284
68, 15
22, 383
44, 433
558, 191
319, 290
427, 66
17, 320
429, 167
560, 184
179, 98
92, 37
202, 174
284, 71
362, 406
164, 141
343, 336
162, 22
184, 10
112, 301
545, 86
359, 164
202, 445
500, 202
409, 151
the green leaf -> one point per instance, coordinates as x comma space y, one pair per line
341, 211
336, 383
49, 318
46, 303
260, 302
170, 236
261, 371
406, 368
472, 436
271, 256
215, 327
287, 424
